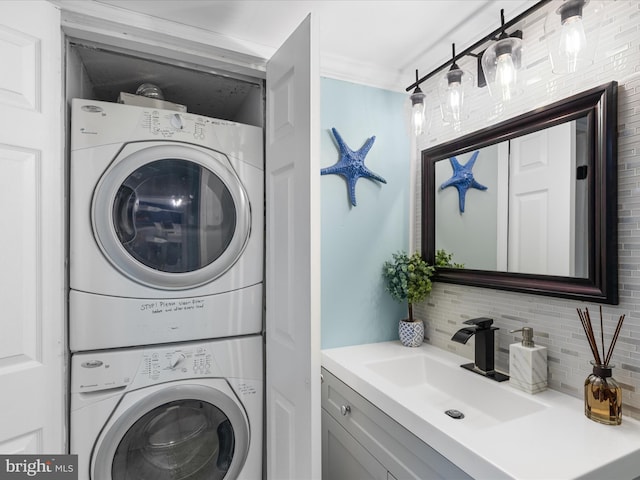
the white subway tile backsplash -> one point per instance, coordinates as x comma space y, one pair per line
555, 321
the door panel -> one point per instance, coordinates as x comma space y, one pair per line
32, 192
343, 458
293, 440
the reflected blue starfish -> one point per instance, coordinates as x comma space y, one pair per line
351, 165
462, 178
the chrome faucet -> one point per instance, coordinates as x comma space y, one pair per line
484, 348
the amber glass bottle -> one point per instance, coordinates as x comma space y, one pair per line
602, 396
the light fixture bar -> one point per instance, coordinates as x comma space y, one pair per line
469, 51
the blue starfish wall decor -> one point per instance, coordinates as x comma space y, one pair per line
462, 178
351, 165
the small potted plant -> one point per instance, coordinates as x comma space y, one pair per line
408, 280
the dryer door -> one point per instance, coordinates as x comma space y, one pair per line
171, 216
190, 431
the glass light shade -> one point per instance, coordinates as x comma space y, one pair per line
452, 88
501, 64
418, 107
572, 31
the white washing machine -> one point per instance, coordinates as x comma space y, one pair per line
191, 410
166, 226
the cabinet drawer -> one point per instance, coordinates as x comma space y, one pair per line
403, 454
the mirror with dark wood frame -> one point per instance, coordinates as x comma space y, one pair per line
546, 223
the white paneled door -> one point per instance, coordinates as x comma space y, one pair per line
293, 439
542, 234
32, 247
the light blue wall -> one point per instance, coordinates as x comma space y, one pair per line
357, 240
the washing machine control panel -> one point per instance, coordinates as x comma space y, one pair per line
187, 361
138, 367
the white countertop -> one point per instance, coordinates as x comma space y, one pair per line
555, 440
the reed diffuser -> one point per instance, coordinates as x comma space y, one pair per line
602, 394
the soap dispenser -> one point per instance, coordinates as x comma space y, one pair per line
527, 363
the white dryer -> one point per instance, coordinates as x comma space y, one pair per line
166, 226
190, 410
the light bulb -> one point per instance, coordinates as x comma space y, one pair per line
454, 99
417, 111
572, 41
417, 116
506, 75
452, 95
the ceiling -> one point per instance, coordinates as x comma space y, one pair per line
375, 42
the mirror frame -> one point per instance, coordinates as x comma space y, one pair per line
600, 105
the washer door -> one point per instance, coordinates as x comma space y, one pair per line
171, 216
188, 432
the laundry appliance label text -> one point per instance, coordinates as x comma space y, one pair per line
169, 306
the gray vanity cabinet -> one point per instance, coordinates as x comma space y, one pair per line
344, 457
360, 441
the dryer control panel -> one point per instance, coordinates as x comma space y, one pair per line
95, 123
138, 367
166, 124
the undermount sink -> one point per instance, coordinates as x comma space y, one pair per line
448, 386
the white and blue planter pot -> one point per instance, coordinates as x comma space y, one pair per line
411, 333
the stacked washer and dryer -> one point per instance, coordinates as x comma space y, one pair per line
165, 304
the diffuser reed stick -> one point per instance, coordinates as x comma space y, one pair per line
587, 325
588, 330
615, 338
602, 331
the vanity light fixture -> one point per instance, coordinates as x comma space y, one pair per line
503, 44
572, 29
418, 104
501, 63
453, 86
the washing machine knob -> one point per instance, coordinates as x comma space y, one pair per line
175, 359
176, 121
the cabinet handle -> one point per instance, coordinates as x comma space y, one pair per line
345, 409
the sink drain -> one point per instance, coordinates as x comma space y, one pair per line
457, 414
